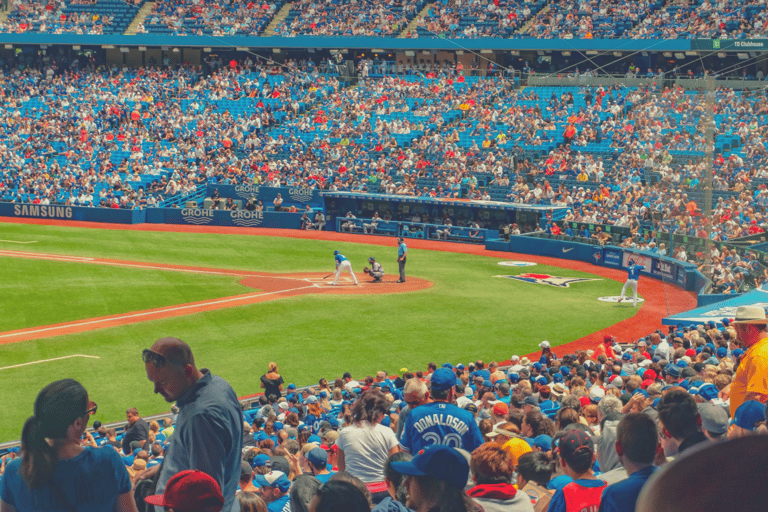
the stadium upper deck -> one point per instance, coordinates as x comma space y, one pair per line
552, 19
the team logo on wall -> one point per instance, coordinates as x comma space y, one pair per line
517, 264
558, 282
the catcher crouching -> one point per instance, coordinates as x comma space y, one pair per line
376, 271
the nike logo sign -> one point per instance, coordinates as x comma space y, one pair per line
567, 250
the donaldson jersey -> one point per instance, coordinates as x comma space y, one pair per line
633, 271
339, 258
440, 423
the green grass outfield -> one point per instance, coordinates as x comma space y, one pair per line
467, 314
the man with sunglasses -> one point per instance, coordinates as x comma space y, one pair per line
209, 429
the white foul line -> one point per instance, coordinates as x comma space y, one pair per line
80, 259
46, 361
151, 313
17, 242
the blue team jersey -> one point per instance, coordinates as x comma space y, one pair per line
340, 258
440, 423
401, 249
633, 271
314, 422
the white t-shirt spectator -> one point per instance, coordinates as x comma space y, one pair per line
366, 449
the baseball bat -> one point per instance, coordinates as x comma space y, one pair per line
329, 275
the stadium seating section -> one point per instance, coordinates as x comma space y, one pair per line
553, 19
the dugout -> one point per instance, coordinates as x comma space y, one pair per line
492, 214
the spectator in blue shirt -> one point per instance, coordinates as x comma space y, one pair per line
636, 442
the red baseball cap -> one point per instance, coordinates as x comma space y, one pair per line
189, 490
500, 409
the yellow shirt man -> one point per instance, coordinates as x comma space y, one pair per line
752, 375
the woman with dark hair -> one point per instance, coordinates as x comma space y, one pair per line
364, 444
55, 472
339, 496
272, 382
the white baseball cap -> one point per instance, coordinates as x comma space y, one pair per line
544, 344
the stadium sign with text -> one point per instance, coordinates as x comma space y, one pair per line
729, 44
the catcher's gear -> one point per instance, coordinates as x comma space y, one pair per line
366, 270
371, 260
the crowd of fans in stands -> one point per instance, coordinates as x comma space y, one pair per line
595, 423
347, 18
196, 18
727, 19
611, 155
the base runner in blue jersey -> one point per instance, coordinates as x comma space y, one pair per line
342, 264
633, 275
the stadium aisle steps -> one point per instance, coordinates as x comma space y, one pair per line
278, 18
416, 20
140, 17
528, 23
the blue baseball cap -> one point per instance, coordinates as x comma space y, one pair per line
260, 460
708, 392
460, 366
537, 366
640, 392
314, 439
443, 379
291, 386
565, 371
273, 479
722, 352
514, 377
541, 380
748, 414
543, 441
681, 364
626, 356
448, 365
317, 456
486, 383
737, 353
438, 461
277, 426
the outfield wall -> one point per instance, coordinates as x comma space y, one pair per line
684, 275
237, 218
77, 213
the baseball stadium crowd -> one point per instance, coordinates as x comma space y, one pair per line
197, 18
611, 155
585, 430
657, 19
347, 18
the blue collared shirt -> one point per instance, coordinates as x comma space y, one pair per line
208, 437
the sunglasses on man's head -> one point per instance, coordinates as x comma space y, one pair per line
92, 408
153, 357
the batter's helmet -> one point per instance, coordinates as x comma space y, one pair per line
336, 252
